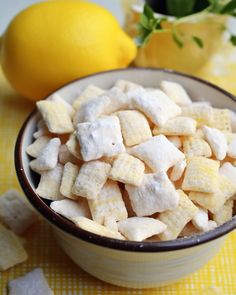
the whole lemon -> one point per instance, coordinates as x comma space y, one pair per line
53, 42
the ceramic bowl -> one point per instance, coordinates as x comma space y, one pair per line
126, 263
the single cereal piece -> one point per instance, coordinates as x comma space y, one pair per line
158, 153
96, 228
89, 92
231, 152
15, 212
201, 175
184, 126
202, 114
178, 170
134, 126
12, 251
176, 92
36, 147
48, 157
177, 218
41, 129
221, 120
74, 146
100, 138
126, 86
127, 169
108, 203
91, 178
217, 141
66, 156
50, 182
225, 213
156, 105
33, 283
176, 141
196, 147
140, 228
55, 116
70, 208
34, 167
155, 194
200, 220
110, 222
214, 201
57, 98
69, 175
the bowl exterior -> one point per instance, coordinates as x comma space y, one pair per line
136, 269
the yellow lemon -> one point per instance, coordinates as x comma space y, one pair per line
53, 42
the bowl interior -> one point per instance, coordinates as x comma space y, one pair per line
197, 89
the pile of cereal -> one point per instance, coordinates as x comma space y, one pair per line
136, 163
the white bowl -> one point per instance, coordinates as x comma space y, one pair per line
126, 263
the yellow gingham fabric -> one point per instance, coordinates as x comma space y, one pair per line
64, 277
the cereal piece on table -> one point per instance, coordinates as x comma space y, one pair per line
74, 146
88, 93
91, 178
214, 201
200, 220
176, 141
184, 126
69, 175
225, 213
96, 228
36, 147
41, 129
66, 156
55, 116
217, 141
92, 109
71, 208
157, 106
233, 120
15, 212
140, 228
48, 157
202, 114
127, 169
57, 98
177, 218
33, 283
231, 152
158, 153
12, 251
201, 175
110, 223
178, 170
100, 138
176, 92
155, 194
134, 126
221, 120
50, 182
196, 147
108, 203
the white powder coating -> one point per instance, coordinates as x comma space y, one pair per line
200, 220
155, 194
229, 171
158, 153
157, 106
140, 228
36, 147
216, 140
48, 157
100, 138
176, 92
57, 98
33, 283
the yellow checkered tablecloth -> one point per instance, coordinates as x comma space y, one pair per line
64, 277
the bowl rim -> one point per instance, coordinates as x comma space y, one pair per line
67, 226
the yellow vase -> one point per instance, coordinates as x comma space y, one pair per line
162, 51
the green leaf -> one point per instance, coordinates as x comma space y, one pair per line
198, 41
233, 40
144, 21
215, 6
177, 40
180, 8
229, 7
148, 11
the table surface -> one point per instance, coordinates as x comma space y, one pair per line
64, 277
